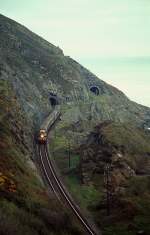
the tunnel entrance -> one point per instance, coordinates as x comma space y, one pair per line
146, 125
95, 90
53, 99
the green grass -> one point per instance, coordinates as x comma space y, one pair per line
87, 196
138, 185
132, 138
118, 137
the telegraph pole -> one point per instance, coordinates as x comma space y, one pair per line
54, 143
107, 190
54, 147
69, 154
107, 182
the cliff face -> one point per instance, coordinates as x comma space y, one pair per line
35, 67
30, 69
125, 147
25, 205
115, 160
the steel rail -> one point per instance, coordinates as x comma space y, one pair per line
56, 184
67, 197
47, 176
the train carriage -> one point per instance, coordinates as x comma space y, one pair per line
47, 124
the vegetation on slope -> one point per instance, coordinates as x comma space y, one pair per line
124, 146
31, 68
126, 149
35, 67
25, 206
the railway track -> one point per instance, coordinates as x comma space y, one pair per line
47, 172
52, 179
59, 189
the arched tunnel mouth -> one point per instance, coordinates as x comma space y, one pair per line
53, 101
95, 90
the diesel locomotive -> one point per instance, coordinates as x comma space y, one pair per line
47, 124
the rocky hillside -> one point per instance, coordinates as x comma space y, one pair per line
125, 149
34, 67
123, 146
31, 71
26, 207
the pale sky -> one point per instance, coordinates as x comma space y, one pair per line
109, 37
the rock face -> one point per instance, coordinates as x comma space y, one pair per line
125, 147
25, 205
34, 68
32, 73
36, 71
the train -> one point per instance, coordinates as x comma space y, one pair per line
47, 124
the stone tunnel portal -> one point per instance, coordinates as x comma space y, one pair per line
95, 90
53, 99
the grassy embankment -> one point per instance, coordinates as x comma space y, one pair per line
65, 138
130, 209
25, 207
131, 214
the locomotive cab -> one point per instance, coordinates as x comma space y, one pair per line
42, 136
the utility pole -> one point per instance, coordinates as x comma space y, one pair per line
53, 151
54, 143
69, 154
107, 182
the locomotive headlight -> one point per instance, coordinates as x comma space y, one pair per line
42, 136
